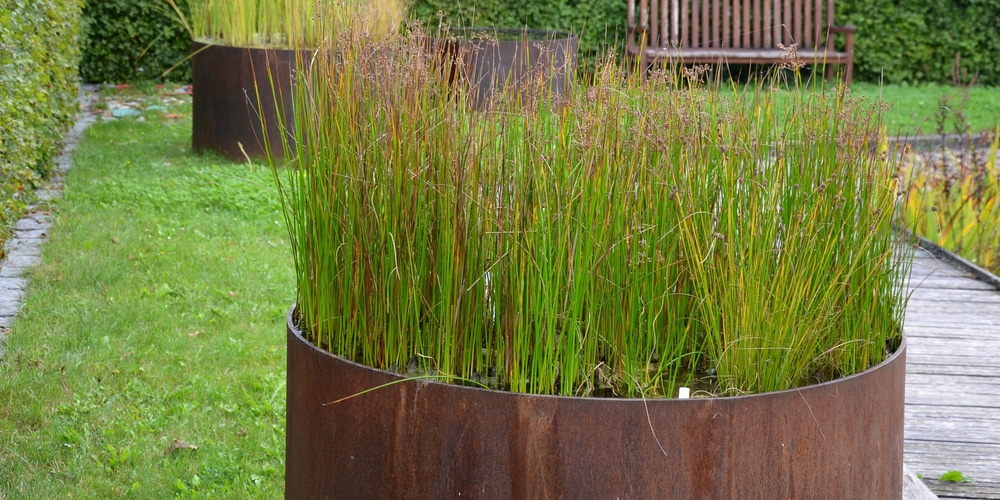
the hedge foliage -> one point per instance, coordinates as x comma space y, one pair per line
916, 40
39, 53
133, 40
913, 41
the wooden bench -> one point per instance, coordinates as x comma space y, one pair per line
737, 32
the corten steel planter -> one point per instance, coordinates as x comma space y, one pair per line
225, 110
485, 60
421, 439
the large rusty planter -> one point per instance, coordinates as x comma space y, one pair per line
225, 110
420, 439
534, 64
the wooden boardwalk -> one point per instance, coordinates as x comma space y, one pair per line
952, 379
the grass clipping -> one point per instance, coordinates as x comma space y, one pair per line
640, 235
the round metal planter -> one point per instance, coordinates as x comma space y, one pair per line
536, 65
225, 109
421, 439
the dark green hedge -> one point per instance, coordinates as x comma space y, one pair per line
39, 52
132, 40
916, 40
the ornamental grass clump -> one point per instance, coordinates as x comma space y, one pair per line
953, 199
649, 233
283, 24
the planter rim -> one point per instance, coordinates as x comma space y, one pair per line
900, 350
214, 42
531, 34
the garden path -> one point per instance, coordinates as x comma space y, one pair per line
952, 379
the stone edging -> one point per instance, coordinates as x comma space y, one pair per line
950, 141
24, 248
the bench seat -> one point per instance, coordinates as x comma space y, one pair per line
743, 56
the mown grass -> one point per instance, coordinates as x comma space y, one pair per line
933, 109
157, 315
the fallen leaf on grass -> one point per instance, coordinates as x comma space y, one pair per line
194, 334
179, 444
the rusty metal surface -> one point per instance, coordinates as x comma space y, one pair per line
419, 439
534, 64
225, 111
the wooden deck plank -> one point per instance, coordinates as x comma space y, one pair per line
952, 414
929, 382
966, 318
962, 346
991, 372
961, 415
950, 284
959, 341
929, 305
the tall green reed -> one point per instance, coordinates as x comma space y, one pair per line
642, 236
283, 23
788, 238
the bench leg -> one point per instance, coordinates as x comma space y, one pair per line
831, 72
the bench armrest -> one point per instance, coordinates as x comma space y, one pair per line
847, 28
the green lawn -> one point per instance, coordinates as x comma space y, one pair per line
157, 315
934, 109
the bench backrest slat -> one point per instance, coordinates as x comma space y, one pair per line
733, 23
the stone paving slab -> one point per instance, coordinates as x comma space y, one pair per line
21, 260
33, 221
10, 306
37, 234
23, 247
9, 285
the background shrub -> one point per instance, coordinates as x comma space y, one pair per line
132, 40
916, 41
39, 53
